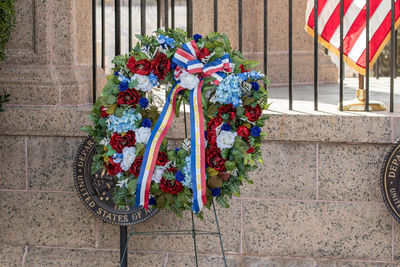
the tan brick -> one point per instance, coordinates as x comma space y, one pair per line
11, 255
12, 162
204, 260
338, 263
311, 229
229, 220
350, 172
49, 219
288, 171
252, 261
50, 161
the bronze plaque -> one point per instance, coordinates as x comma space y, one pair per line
390, 180
96, 190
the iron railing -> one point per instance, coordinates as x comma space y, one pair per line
169, 5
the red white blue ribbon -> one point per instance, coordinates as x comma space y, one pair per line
185, 58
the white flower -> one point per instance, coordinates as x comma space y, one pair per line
123, 183
188, 80
225, 139
142, 135
105, 141
129, 157
144, 83
158, 172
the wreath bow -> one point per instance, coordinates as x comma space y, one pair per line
185, 58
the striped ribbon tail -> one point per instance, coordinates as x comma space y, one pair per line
151, 153
198, 158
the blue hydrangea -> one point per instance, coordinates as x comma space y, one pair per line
143, 102
130, 120
226, 127
255, 131
188, 174
116, 73
255, 86
255, 75
153, 79
147, 123
229, 91
123, 86
165, 41
216, 191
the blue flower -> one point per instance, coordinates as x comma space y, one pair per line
130, 120
197, 37
226, 127
170, 42
255, 86
165, 41
153, 79
255, 131
124, 85
143, 102
116, 73
229, 91
147, 123
187, 172
118, 157
177, 149
179, 176
216, 191
152, 201
205, 134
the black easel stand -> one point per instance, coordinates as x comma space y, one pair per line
193, 232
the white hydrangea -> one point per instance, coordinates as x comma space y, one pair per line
188, 80
144, 83
158, 172
129, 155
225, 139
142, 135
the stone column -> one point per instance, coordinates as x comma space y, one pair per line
253, 37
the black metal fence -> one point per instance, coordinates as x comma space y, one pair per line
169, 5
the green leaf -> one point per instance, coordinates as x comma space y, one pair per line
132, 185
212, 109
111, 99
110, 151
239, 111
225, 153
219, 52
139, 147
86, 128
248, 101
230, 166
118, 112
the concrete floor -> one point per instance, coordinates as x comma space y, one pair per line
303, 96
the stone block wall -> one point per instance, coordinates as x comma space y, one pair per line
314, 202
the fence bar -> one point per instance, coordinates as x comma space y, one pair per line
117, 27
392, 57
315, 54
265, 38
189, 17
123, 252
103, 34
158, 13
367, 57
215, 15
240, 7
94, 61
341, 70
166, 18
130, 25
291, 55
173, 14
142, 17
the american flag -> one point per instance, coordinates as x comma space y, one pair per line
354, 28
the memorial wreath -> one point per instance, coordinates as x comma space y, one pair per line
226, 101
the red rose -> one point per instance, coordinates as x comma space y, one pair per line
162, 158
171, 186
136, 165
113, 168
103, 112
204, 52
251, 113
130, 97
214, 159
141, 67
227, 109
211, 133
160, 65
119, 142
242, 69
250, 150
243, 131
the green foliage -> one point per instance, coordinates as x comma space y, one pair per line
3, 99
7, 21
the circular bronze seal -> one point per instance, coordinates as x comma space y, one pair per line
390, 180
95, 190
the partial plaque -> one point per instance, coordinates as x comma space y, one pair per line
390, 180
95, 190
